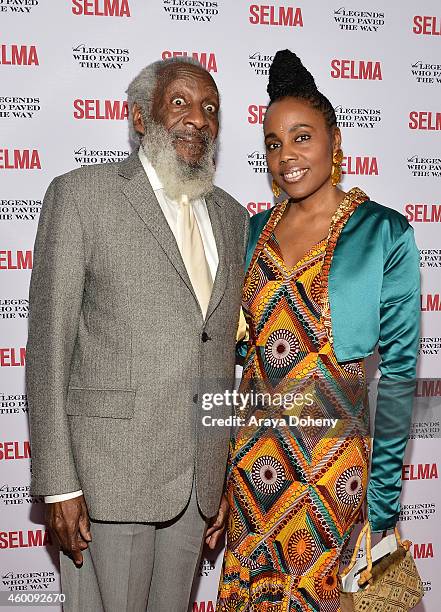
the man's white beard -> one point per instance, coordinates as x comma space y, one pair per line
177, 176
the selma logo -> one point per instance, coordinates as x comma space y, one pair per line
428, 388
356, 69
430, 302
12, 357
19, 159
25, 539
363, 166
423, 551
265, 14
423, 213
15, 450
256, 207
15, 260
203, 606
208, 60
19, 55
101, 109
420, 471
101, 8
429, 26
256, 114
424, 120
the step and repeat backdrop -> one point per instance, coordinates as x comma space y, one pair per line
64, 69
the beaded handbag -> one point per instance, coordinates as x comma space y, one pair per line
391, 584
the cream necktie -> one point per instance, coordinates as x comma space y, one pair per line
193, 255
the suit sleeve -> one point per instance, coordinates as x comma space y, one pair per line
398, 348
55, 299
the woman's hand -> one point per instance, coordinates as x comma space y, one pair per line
217, 528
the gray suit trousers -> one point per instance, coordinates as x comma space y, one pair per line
134, 567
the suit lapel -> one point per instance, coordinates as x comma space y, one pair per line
218, 220
141, 196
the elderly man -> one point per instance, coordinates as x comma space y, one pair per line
135, 299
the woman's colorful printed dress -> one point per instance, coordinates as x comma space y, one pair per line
294, 492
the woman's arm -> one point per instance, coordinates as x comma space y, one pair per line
398, 348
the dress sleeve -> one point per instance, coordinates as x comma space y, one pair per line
398, 348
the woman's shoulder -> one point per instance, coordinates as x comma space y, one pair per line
391, 221
387, 214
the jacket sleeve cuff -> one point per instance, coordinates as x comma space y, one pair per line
51, 499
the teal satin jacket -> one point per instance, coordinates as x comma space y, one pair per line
374, 297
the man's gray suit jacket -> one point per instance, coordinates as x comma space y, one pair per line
119, 354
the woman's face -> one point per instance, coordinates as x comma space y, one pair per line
299, 147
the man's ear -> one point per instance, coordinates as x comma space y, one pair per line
138, 122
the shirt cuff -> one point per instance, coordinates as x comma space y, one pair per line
51, 499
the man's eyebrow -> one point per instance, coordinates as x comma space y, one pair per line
213, 91
174, 88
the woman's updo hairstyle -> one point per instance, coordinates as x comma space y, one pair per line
288, 77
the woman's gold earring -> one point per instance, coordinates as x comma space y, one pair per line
337, 159
276, 189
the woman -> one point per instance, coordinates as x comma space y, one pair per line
330, 275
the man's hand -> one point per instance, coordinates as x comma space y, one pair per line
69, 521
217, 527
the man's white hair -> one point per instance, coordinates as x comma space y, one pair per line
141, 90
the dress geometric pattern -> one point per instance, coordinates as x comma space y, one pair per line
295, 491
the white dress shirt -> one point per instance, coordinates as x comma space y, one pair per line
171, 210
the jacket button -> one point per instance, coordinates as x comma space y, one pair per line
205, 337
195, 398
